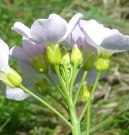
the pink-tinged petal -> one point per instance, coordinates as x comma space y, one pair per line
71, 25
31, 48
95, 33
116, 43
19, 54
21, 29
46, 31
4, 53
15, 94
76, 37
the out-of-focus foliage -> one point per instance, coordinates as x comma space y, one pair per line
28, 117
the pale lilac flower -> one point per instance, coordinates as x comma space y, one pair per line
10, 93
76, 37
48, 31
89, 52
27, 52
105, 39
30, 76
24, 56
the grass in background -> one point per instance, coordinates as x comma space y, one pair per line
25, 118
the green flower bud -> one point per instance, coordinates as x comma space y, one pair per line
10, 77
42, 86
76, 55
102, 64
54, 54
84, 93
7, 83
39, 63
65, 57
14, 80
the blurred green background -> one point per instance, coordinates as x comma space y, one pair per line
30, 118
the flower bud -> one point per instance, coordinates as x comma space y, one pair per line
84, 93
76, 55
102, 64
42, 86
53, 54
10, 77
39, 63
65, 57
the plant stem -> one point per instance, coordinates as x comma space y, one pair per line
88, 120
75, 122
74, 119
91, 95
65, 92
51, 80
79, 87
45, 104
55, 98
74, 74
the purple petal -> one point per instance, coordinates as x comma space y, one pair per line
46, 31
95, 33
71, 25
76, 37
18, 53
116, 43
31, 48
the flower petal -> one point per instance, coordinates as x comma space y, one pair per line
15, 94
46, 31
21, 29
116, 43
19, 53
95, 33
4, 53
71, 25
31, 48
76, 37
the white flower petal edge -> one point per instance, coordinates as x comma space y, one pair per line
96, 32
15, 94
104, 38
4, 54
46, 31
21, 29
116, 43
71, 25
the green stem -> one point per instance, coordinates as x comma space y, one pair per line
61, 81
67, 78
51, 80
75, 122
74, 74
91, 95
59, 102
45, 104
79, 87
74, 119
88, 120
